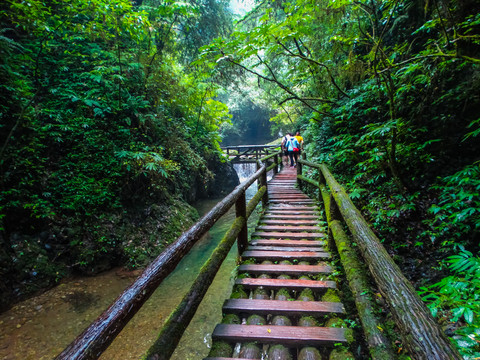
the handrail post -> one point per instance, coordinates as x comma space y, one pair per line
275, 169
262, 181
241, 211
299, 173
265, 196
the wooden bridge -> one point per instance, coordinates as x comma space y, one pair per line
248, 153
286, 301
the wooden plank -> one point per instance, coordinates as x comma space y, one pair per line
286, 335
285, 269
287, 208
266, 307
288, 235
288, 222
278, 242
286, 248
268, 216
285, 255
278, 201
289, 228
292, 284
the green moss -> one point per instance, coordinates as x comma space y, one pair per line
308, 321
283, 294
340, 323
285, 262
331, 296
309, 353
220, 349
306, 295
281, 320
261, 294
341, 354
279, 352
250, 351
231, 319
238, 293
256, 320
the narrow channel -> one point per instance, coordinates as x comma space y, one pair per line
41, 327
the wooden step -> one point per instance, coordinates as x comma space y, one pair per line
289, 228
285, 335
291, 284
285, 248
293, 207
283, 190
285, 269
288, 222
299, 216
288, 235
285, 210
278, 242
285, 255
274, 307
283, 195
282, 201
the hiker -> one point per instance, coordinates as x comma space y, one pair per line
300, 141
293, 148
284, 148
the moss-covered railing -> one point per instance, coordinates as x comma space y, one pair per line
100, 334
420, 333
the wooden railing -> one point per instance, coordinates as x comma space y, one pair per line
421, 335
100, 334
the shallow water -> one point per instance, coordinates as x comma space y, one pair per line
41, 327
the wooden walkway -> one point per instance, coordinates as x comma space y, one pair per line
283, 282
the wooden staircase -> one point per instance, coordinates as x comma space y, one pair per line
285, 274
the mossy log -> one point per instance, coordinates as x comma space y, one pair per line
100, 334
239, 292
309, 353
341, 354
422, 336
250, 351
379, 346
256, 320
306, 295
281, 320
231, 319
221, 349
307, 321
279, 352
179, 319
261, 294
283, 294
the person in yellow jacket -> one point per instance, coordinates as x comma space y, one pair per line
300, 141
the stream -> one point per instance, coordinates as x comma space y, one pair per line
42, 326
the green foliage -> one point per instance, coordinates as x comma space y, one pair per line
100, 119
456, 298
458, 210
384, 92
